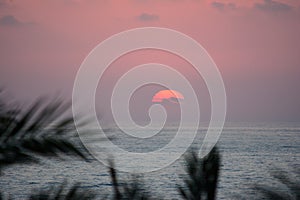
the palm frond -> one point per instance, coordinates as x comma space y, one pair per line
202, 176
45, 128
132, 190
62, 192
194, 182
292, 192
271, 193
211, 168
4, 197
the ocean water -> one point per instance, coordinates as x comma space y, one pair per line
249, 152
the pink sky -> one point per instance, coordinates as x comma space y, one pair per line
255, 44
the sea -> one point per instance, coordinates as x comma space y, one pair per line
250, 154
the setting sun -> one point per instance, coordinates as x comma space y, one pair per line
169, 95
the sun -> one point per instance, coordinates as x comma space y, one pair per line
169, 95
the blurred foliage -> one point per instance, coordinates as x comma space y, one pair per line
202, 176
63, 192
45, 128
131, 190
292, 191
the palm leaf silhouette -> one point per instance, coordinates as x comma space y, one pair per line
45, 128
128, 190
293, 187
202, 176
62, 192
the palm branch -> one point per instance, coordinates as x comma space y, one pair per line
45, 128
63, 192
132, 190
293, 187
202, 176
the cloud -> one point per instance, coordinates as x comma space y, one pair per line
9, 20
5, 3
148, 17
2, 3
151, 1
218, 5
273, 6
222, 6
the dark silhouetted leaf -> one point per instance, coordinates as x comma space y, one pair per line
202, 176
44, 128
63, 193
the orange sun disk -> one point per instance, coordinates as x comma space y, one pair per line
166, 95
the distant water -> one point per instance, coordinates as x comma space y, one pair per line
249, 152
